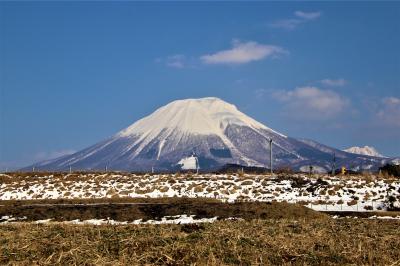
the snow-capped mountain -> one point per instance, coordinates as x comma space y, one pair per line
210, 129
366, 150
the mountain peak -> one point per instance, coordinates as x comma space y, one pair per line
201, 100
366, 150
211, 104
203, 116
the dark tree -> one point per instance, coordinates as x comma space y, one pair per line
391, 169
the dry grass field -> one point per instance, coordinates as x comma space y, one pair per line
303, 241
260, 233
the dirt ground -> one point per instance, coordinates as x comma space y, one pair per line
151, 209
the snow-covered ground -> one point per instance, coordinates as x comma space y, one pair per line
319, 192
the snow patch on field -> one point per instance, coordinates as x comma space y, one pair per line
373, 217
321, 192
177, 219
10, 218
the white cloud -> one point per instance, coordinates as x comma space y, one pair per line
242, 53
292, 23
307, 15
391, 101
311, 103
388, 113
334, 82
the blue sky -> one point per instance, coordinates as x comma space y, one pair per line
75, 73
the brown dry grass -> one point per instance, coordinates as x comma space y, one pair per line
166, 200
85, 175
258, 242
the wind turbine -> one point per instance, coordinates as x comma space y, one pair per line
197, 162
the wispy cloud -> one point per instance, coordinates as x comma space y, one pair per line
381, 119
311, 103
307, 15
388, 112
260, 93
176, 61
243, 52
334, 82
299, 18
287, 24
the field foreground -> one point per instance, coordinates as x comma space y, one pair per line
110, 219
267, 242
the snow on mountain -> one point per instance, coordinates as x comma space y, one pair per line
206, 116
366, 150
211, 130
203, 116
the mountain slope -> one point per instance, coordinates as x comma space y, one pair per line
215, 131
